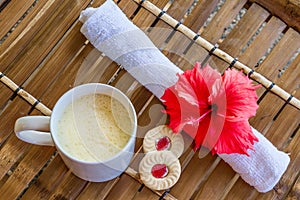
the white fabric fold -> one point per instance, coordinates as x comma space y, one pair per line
110, 31
263, 168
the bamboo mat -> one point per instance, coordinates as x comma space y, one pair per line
43, 54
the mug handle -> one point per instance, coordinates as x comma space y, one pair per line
34, 130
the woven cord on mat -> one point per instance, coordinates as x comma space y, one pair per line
212, 49
36, 104
25, 95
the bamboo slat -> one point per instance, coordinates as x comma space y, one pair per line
238, 38
125, 188
263, 41
145, 19
48, 181
189, 182
56, 62
37, 84
26, 170
204, 8
267, 110
287, 10
280, 135
128, 7
289, 80
131, 187
187, 156
145, 193
294, 193
280, 55
222, 20
18, 90
214, 30
290, 115
23, 64
287, 122
18, 7
180, 44
163, 32
216, 185
178, 9
69, 188
242, 190
25, 31
97, 190
264, 118
162, 194
11, 153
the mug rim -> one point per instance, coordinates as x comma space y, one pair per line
130, 141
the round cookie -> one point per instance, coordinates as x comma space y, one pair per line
159, 170
162, 138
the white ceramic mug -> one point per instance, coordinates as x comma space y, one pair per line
33, 129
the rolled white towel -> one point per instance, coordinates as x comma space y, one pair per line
263, 168
109, 30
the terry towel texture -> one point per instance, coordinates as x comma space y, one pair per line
112, 33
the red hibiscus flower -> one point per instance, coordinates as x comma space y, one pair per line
213, 109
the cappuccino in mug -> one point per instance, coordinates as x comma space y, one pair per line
94, 127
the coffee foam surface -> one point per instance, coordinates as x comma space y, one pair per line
94, 128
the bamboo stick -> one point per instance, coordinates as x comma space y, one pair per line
25, 95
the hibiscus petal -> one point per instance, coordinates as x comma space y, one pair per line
179, 109
203, 79
172, 109
185, 90
215, 129
240, 94
235, 138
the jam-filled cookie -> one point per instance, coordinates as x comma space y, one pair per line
159, 170
162, 138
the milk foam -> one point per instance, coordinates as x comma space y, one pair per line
94, 128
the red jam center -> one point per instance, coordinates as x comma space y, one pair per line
163, 143
159, 171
